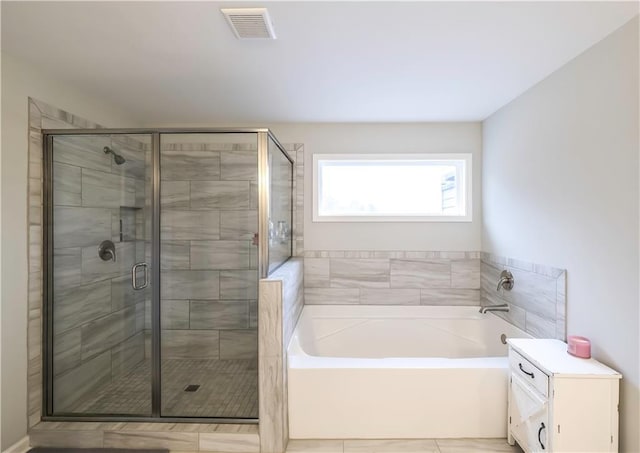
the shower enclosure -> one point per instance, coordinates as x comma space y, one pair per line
154, 243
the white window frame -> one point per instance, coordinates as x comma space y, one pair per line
445, 157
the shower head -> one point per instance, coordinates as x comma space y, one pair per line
119, 160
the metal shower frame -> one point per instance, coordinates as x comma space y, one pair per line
264, 197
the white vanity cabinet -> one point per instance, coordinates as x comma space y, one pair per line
560, 403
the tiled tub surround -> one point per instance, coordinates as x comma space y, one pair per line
281, 302
392, 277
537, 302
98, 319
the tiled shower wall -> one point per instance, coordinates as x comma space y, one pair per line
537, 302
209, 204
98, 318
392, 278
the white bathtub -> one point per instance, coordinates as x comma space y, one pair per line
397, 372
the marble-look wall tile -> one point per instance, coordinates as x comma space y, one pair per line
185, 165
189, 225
229, 442
80, 381
83, 151
223, 314
420, 273
364, 273
174, 314
389, 296
106, 190
108, 331
174, 194
220, 254
238, 344
95, 269
67, 185
238, 225
123, 294
537, 301
174, 441
61, 439
190, 344
238, 284
239, 165
80, 227
271, 405
67, 351
316, 273
331, 296
175, 255
179, 284
465, 274
67, 269
220, 194
445, 296
78, 305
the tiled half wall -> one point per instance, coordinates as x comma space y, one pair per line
537, 302
392, 277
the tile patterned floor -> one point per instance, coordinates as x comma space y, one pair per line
228, 388
402, 446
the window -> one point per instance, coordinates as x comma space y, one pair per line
391, 187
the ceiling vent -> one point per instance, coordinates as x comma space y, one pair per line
250, 23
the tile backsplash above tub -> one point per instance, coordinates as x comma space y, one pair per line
537, 301
392, 277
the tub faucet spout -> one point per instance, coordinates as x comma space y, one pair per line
501, 307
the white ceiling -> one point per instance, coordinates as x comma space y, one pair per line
178, 62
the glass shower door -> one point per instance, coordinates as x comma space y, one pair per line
98, 329
209, 274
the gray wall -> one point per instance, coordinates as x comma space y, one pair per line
561, 176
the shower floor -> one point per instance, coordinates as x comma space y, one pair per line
227, 388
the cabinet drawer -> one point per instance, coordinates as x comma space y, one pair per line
529, 373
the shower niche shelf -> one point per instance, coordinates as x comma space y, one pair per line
130, 217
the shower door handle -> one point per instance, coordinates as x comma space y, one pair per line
134, 271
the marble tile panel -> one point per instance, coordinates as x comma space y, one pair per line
331, 296
389, 296
316, 273
229, 442
359, 273
190, 344
95, 269
390, 445
126, 355
533, 292
186, 165
239, 165
62, 439
315, 446
220, 254
189, 225
106, 190
84, 151
220, 195
35, 201
238, 344
135, 155
148, 439
174, 255
179, 284
538, 326
174, 194
253, 195
123, 294
253, 314
66, 351
271, 405
465, 274
79, 305
237, 284
80, 227
80, 381
67, 185
223, 314
106, 332
174, 314
446, 296
406, 273
238, 225
35, 248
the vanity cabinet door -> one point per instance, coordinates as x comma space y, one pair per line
528, 415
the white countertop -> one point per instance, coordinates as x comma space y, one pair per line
552, 356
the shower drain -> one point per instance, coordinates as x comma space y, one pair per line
191, 388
